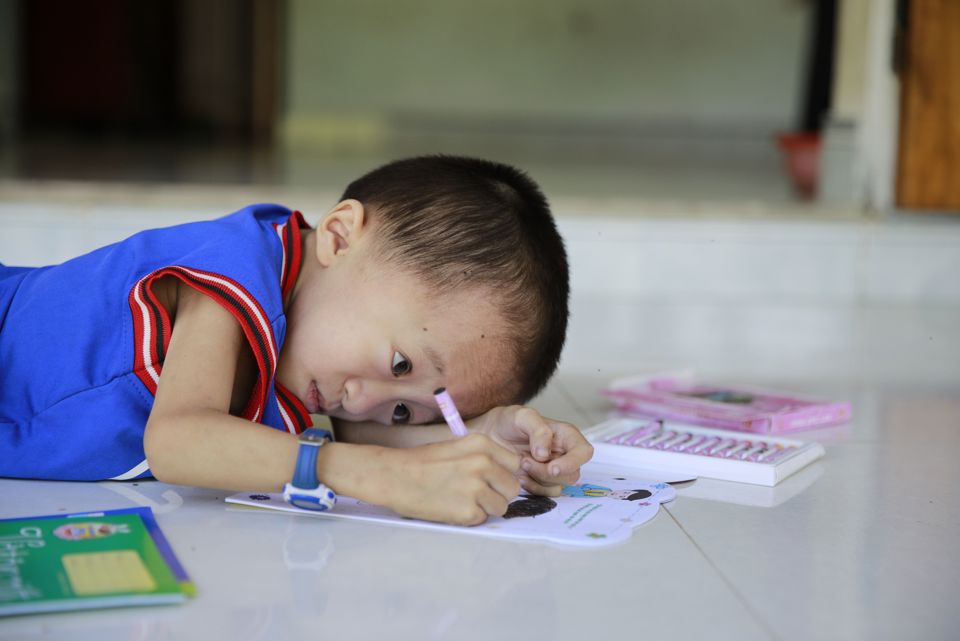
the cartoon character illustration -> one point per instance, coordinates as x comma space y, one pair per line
84, 530
631, 495
588, 490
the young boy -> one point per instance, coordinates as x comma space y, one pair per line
158, 356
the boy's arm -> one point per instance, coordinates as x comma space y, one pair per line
552, 451
390, 435
191, 438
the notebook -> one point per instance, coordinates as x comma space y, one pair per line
87, 560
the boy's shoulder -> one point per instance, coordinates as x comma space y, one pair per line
228, 242
260, 213
252, 219
257, 246
247, 260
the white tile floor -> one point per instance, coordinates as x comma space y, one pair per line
860, 546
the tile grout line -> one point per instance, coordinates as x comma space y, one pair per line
739, 596
573, 402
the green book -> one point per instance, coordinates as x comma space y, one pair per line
87, 560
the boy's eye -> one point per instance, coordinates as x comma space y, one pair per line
400, 365
401, 414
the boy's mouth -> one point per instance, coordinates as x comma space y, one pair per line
314, 399
316, 403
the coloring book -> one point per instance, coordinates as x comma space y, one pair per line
601, 509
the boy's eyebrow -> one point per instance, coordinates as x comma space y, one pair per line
434, 357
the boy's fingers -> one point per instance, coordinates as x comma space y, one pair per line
539, 435
510, 461
571, 450
575, 448
565, 468
541, 443
543, 474
568, 437
503, 482
493, 503
534, 487
502, 456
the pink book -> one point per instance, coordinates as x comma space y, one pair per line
679, 397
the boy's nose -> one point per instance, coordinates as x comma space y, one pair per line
362, 396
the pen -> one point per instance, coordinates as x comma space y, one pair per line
449, 411
660, 438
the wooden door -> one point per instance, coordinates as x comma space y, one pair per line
157, 68
928, 173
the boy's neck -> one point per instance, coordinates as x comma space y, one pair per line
308, 264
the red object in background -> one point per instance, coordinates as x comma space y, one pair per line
801, 154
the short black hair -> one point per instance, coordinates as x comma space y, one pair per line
456, 221
529, 505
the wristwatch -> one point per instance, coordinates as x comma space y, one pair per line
305, 490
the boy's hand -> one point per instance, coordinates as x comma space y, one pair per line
552, 451
461, 481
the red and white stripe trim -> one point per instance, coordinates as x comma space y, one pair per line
152, 327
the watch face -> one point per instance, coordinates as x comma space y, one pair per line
318, 499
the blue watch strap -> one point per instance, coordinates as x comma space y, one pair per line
305, 474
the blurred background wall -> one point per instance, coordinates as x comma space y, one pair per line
273, 90
782, 143
543, 67
745, 100
9, 63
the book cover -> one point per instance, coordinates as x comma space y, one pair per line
679, 397
87, 560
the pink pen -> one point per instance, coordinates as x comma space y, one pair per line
753, 452
781, 454
680, 437
693, 441
705, 444
636, 435
738, 447
449, 411
772, 450
660, 438
639, 440
724, 444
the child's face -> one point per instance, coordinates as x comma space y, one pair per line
369, 343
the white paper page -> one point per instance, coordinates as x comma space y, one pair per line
601, 509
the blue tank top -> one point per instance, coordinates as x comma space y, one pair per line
82, 343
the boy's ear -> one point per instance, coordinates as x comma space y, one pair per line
339, 230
